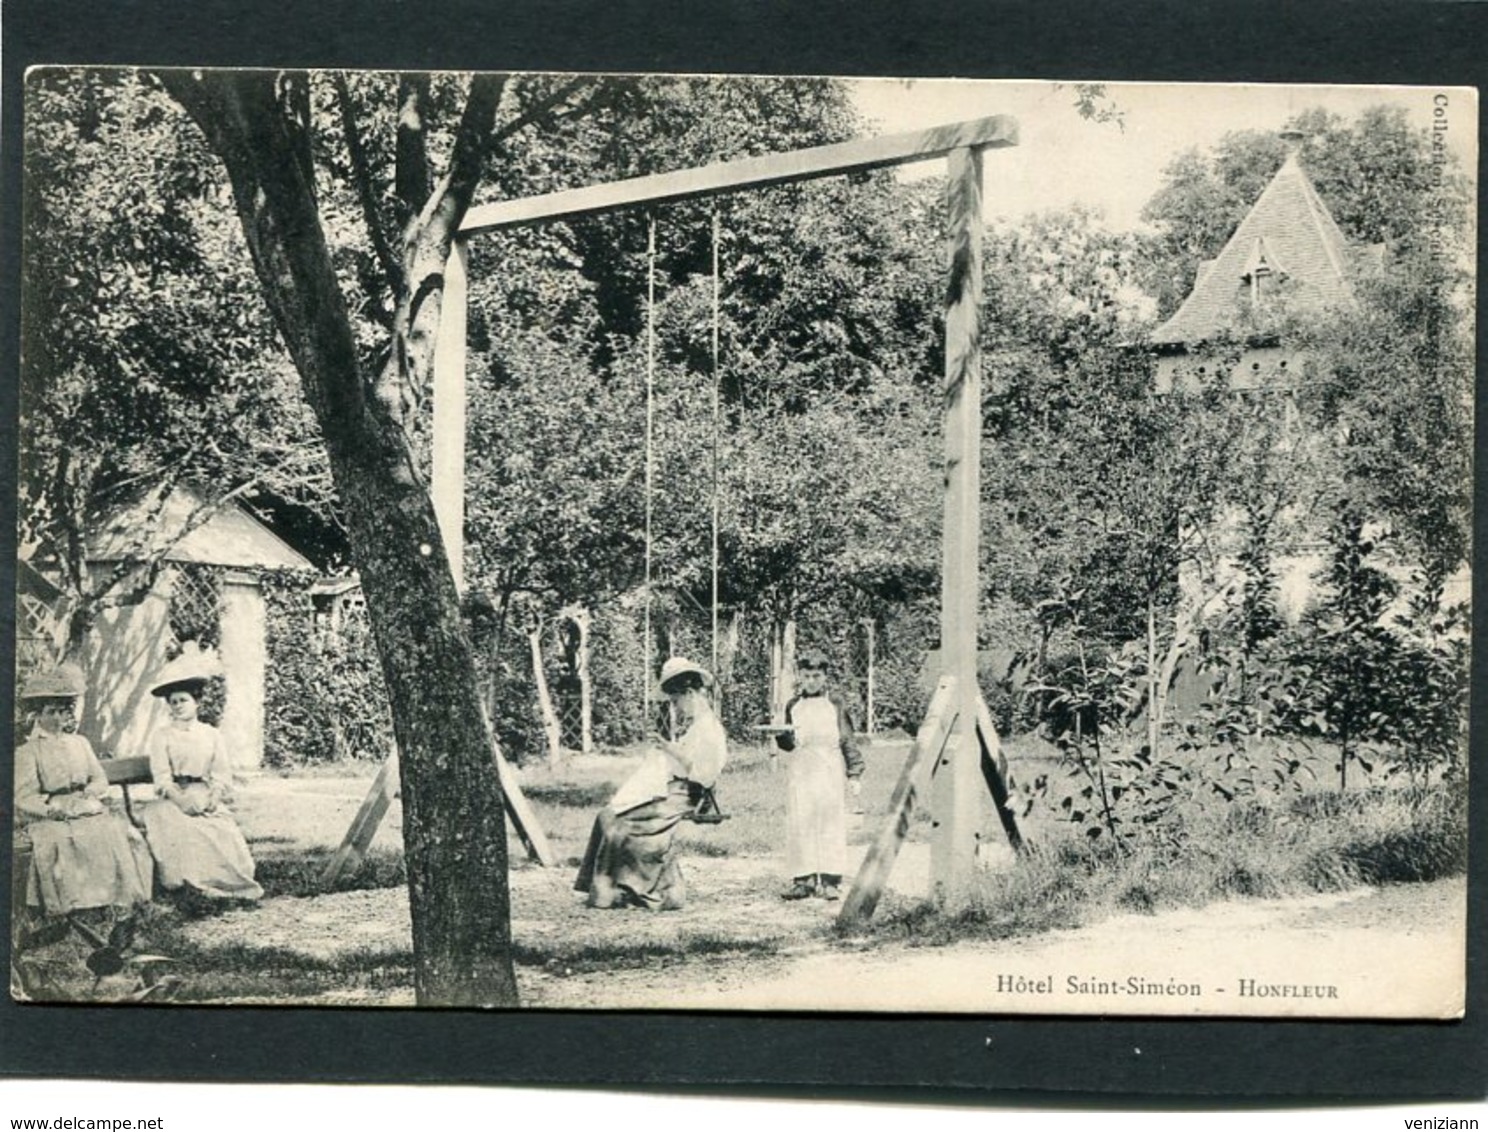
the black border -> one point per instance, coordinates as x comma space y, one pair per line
950, 1060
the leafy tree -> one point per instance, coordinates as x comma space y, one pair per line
1353, 655
654, 124
555, 477
1061, 311
147, 362
1432, 671
364, 385
828, 300
1379, 438
1391, 385
1390, 388
554, 472
323, 682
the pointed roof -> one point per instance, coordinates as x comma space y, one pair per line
230, 536
31, 579
1289, 231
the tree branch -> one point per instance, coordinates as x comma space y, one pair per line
143, 551
542, 106
426, 248
452, 197
412, 178
361, 176
241, 115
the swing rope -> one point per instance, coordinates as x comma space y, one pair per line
650, 450
650, 424
717, 379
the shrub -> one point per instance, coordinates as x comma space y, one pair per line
324, 696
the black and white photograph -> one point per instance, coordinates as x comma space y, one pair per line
668, 542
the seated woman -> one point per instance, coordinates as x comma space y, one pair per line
198, 848
631, 860
83, 855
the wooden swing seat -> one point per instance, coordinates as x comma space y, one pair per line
707, 811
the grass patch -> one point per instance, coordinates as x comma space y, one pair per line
1404, 837
231, 971
237, 971
299, 873
702, 844
1043, 893
337, 769
587, 796
1312, 843
274, 962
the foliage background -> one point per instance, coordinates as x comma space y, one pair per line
150, 361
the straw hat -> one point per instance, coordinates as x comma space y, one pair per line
62, 683
194, 667
680, 666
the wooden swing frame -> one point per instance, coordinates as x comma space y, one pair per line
956, 747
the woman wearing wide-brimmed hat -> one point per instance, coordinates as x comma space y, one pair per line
83, 854
631, 860
199, 849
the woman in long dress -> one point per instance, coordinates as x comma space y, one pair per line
193, 836
82, 854
821, 763
631, 860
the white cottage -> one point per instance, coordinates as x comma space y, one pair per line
210, 590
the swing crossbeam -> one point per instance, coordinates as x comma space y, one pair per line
748, 173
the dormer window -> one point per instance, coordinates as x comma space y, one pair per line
1258, 280
1262, 272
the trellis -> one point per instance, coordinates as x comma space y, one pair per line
36, 627
195, 605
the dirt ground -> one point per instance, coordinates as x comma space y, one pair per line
1396, 952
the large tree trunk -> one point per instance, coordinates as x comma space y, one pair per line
454, 828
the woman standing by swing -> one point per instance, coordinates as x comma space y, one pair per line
631, 860
822, 762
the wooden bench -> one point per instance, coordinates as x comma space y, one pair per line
123, 773
127, 772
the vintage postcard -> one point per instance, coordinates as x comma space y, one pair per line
667, 542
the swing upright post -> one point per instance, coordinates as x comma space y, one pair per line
955, 794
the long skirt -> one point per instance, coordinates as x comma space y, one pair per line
206, 851
98, 861
815, 812
631, 859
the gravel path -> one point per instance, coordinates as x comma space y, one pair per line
1391, 953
